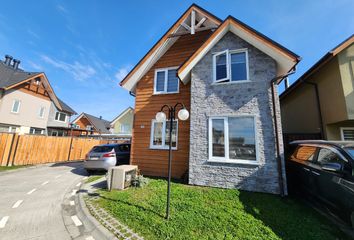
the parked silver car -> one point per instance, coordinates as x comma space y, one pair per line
103, 157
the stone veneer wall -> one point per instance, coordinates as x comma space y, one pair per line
253, 98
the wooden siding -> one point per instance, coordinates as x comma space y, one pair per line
32, 88
151, 161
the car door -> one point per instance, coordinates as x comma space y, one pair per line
334, 188
123, 155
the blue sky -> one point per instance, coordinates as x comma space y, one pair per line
86, 47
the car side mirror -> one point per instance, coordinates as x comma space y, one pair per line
333, 167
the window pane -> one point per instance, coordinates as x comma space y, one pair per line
56, 115
174, 134
328, 156
62, 117
218, 138
172, 81
305, 153
238, 66
242, 143
348, 134
221, 69
160, 81
41, 112
157, 134
16, 106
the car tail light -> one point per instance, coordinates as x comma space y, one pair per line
111, 154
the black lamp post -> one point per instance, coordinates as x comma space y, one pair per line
183, 115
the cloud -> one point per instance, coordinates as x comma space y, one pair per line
33, 34
79, 71
122, 72
62, 9
35, 66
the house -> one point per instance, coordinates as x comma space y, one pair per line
27, 100
86, 124
122, 125
59, 120
224, 72
320, 104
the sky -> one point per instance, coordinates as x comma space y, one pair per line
86, 47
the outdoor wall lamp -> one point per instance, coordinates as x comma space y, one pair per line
183, 115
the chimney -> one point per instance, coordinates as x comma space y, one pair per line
101, 117
15, 63
8, 60
286, 83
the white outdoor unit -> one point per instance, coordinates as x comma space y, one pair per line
120, 177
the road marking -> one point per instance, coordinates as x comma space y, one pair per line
84, 178
46, 182
78, 185
89, 238
73, 192
30, 192
17, 204
76, 221
72, 203
58, 176
3, 221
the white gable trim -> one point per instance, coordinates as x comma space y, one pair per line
121, 115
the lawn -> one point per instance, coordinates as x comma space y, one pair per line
2, 168
93, 178
213, 213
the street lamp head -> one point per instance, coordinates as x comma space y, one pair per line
160, 117
183, 114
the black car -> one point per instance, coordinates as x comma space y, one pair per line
324, 172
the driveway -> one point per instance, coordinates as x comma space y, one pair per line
31, 201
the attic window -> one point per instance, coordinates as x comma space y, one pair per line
231, 66
166, 81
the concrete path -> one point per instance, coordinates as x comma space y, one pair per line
31, 201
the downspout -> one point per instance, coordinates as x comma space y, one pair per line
318, 103
275, 81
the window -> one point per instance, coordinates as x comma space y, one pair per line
347, 134
124, 128
36, 131
59, 116
124, 148
41, 112
305, 153
166, 81
89, 127
231, 66
328, 156
160, 134
54, 133
232, 139
16, 106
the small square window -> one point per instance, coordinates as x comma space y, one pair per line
166, 81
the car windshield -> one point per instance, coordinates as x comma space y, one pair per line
100, 149
351, 152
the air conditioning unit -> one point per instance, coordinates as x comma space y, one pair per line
120, 177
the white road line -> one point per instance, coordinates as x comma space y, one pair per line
89, 238
58, 176
3, 221
30, 192
72, 203
46, 182
78, 185
73, 192
76, 221
17, 204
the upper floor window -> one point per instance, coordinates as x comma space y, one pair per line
231, 66
41, 112
124, 128
166, 81
59, 116
16, 106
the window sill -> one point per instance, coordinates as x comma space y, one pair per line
231, 82
243, 162
160, 148
165, 93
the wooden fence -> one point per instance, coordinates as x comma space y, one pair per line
33, 149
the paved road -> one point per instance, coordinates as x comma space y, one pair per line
31, 201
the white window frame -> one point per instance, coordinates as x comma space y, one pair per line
342, 133
165, 70
58, 120
124, 128
228, 53
39, 112
227, 159
163, 146
13, 104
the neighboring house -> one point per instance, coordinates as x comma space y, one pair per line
320, 104
122, 125
26, 99
86, 124
59, 120
224, 73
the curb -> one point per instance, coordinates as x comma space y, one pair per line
91, 224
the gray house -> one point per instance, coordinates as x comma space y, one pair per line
228, 83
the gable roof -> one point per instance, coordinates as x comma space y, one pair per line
11, 77
162, 45
285, 58
319, 64
127, 110
100, 125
